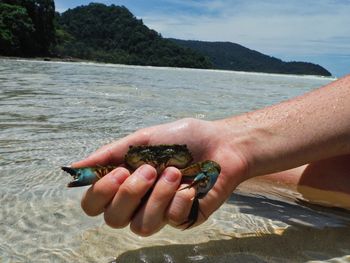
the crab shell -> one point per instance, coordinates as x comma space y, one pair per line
158, 156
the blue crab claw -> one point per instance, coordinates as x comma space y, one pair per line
81, 176
202, 182
202, 186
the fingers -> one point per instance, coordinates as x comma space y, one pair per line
119, 196
128, 198
151, 217
98, 196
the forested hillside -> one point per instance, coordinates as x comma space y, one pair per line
96, 32
113, 34
231, 56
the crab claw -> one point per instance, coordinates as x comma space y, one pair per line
194, 183
69, 170
203, 181
81, 176
204, 176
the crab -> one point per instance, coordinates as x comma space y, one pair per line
201, 175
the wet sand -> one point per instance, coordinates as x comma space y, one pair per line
297, 244
292, 232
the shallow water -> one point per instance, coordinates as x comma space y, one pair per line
54, 113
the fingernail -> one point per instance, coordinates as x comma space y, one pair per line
147, 172
170, 175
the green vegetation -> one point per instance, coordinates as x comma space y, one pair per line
113, 34
231, 56
26, 27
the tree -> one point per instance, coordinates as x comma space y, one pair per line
38, 20
16, 29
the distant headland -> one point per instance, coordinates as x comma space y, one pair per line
113, 34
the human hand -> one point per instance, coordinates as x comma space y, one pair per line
118, 195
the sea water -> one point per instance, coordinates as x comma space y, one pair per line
53, 113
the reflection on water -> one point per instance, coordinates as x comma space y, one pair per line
54, 113
295, 245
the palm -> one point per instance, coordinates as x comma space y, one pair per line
200, 138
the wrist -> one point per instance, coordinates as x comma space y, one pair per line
235, 141
254, 142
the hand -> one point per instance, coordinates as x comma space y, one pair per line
118, 195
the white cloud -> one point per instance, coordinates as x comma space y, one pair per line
297, 27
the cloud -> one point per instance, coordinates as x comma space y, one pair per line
296, 27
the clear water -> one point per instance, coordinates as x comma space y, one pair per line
54, 113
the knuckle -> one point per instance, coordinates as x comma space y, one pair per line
158, 199
191, 123
141, 230
114, 222
143, 133
129, 191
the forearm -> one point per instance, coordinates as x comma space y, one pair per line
305, 129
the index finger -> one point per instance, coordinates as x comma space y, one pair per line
113, 153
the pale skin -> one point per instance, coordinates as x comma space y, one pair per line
305, 130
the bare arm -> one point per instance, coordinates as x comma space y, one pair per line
311, 127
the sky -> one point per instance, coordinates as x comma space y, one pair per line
316, 31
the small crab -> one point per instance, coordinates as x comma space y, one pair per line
159, 156
201, 175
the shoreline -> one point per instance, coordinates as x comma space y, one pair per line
78, 60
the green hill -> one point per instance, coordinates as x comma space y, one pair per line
113, 34
231, 56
